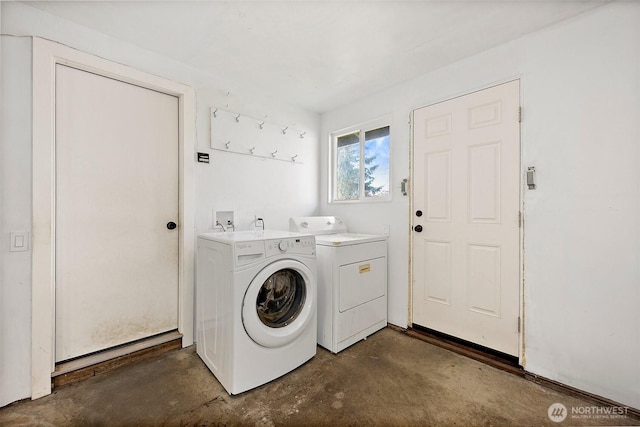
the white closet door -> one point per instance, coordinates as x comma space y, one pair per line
116, 261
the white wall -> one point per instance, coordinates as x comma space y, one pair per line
253, 186
15, 215
271, 189
580, 84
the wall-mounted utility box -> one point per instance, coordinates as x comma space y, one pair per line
224, 218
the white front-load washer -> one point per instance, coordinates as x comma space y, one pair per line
256, 305
352, 281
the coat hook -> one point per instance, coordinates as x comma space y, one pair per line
261, 125
284, 131
214, 113
252, 149
293, 158
227, 144
274, 153
302, 135
238, 118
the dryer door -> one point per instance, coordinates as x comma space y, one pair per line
279, 303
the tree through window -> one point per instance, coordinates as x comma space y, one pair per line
361, 164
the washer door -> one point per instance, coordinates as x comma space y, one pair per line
279, 303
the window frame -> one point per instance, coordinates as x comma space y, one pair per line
361, 128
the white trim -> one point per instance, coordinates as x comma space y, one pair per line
46, 55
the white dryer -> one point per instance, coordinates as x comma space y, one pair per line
352, 281
256, 305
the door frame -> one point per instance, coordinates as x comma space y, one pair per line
46, 54
521, 337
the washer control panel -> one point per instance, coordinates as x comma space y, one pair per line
305, 245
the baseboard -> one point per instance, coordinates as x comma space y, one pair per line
572, 391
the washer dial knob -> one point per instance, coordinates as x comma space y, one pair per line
282, 246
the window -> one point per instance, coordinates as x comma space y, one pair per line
361, 163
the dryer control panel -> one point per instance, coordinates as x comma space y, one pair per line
304, 245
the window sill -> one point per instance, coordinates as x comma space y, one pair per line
361, 202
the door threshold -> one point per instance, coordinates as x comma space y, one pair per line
83, 367
482, 354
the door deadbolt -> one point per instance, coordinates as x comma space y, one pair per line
171, 225
418, 213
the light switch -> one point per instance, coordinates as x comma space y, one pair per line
19, 241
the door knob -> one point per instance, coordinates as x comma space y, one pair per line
418, 228
171, 225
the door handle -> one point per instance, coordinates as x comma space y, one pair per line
171, 225
418, 228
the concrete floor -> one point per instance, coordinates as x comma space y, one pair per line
389, 379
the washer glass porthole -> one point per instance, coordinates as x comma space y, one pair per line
281, 298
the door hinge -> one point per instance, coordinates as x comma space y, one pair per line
519, 324
519, 114
519, 219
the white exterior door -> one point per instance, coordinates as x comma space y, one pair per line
117, 178
466, 201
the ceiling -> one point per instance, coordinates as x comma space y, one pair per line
317, 55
